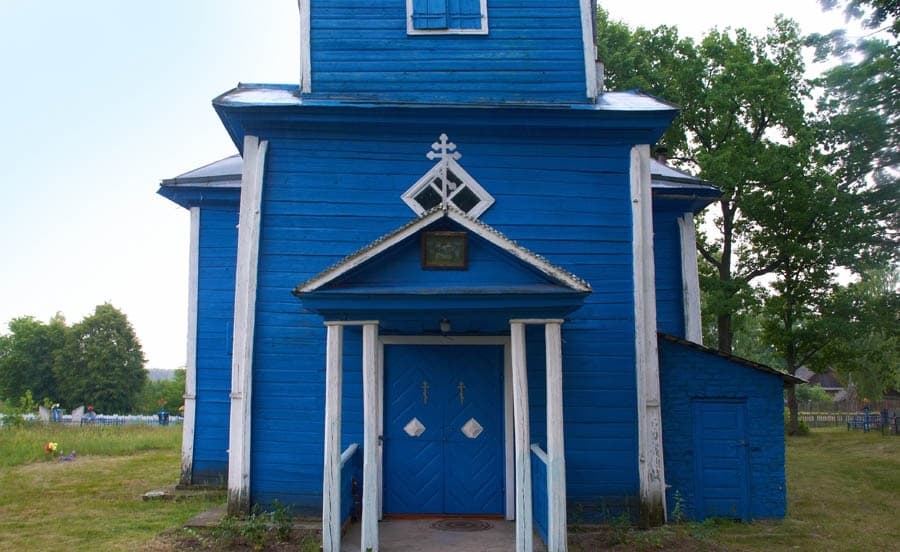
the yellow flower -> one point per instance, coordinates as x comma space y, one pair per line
53, 446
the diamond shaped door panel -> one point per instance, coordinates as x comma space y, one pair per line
472, 429
414, 428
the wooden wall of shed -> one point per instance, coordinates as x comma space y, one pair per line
215, 307
329, 190
533, 52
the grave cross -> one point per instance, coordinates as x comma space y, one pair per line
445, 151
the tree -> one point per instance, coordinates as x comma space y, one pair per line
742, 126
168, 394
101, 362
859, 109
27, 356
867, 346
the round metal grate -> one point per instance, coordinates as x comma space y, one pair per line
461, 524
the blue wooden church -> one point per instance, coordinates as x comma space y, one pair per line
444, 276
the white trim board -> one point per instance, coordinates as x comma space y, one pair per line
590, 50
190, 380
244, 319
690, 279
650, 451
305, 47
450, 340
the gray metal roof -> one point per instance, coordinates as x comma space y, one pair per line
227, 173
224, 173
280, 95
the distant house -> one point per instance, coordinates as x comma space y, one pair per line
439, 269
828, 381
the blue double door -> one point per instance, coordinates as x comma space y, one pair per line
443, 429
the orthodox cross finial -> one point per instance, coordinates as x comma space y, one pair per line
445, 151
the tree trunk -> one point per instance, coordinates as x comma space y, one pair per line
723, 329
794, 425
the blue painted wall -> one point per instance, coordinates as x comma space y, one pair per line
687, 374
533, 52
667, 260
215, 313
330, 189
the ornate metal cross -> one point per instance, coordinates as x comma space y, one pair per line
445, 151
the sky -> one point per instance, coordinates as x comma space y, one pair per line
102, 99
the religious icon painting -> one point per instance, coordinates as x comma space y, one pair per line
445, 250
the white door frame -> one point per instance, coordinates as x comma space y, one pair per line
508, 420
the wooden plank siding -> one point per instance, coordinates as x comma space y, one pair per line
215, 304
533, 52
331, 190
667, 256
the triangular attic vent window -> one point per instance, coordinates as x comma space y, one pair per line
448, 178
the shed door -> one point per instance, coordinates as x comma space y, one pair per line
443, 424
722, 467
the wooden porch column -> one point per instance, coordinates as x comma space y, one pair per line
369, 540
524, 538
331, 485
556, 454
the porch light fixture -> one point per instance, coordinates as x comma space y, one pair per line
445, 325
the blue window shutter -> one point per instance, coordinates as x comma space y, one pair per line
465, 14
429, 14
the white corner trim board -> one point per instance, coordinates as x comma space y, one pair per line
557, 531
650, 452
524, 536
590, 49
305, 48
190, 380
370, 494
331, 486
244, 318
690, 279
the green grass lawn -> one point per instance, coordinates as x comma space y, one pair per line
843, 494
94, 502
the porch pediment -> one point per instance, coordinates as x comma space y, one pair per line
392, 269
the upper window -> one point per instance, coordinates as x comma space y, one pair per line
446, 16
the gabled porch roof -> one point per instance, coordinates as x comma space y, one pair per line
384, 277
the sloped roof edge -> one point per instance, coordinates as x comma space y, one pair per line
787, 378
477, 227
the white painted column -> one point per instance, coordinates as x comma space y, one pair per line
556, 454
369, 537
690, 279
254, 155
524, 537
650, 446
331, 484
190, 379
305, 41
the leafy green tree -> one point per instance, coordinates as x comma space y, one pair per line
812, 393
27, 355
101, 363
867, 345
874, 13
859, 108
168, 394
742, 126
